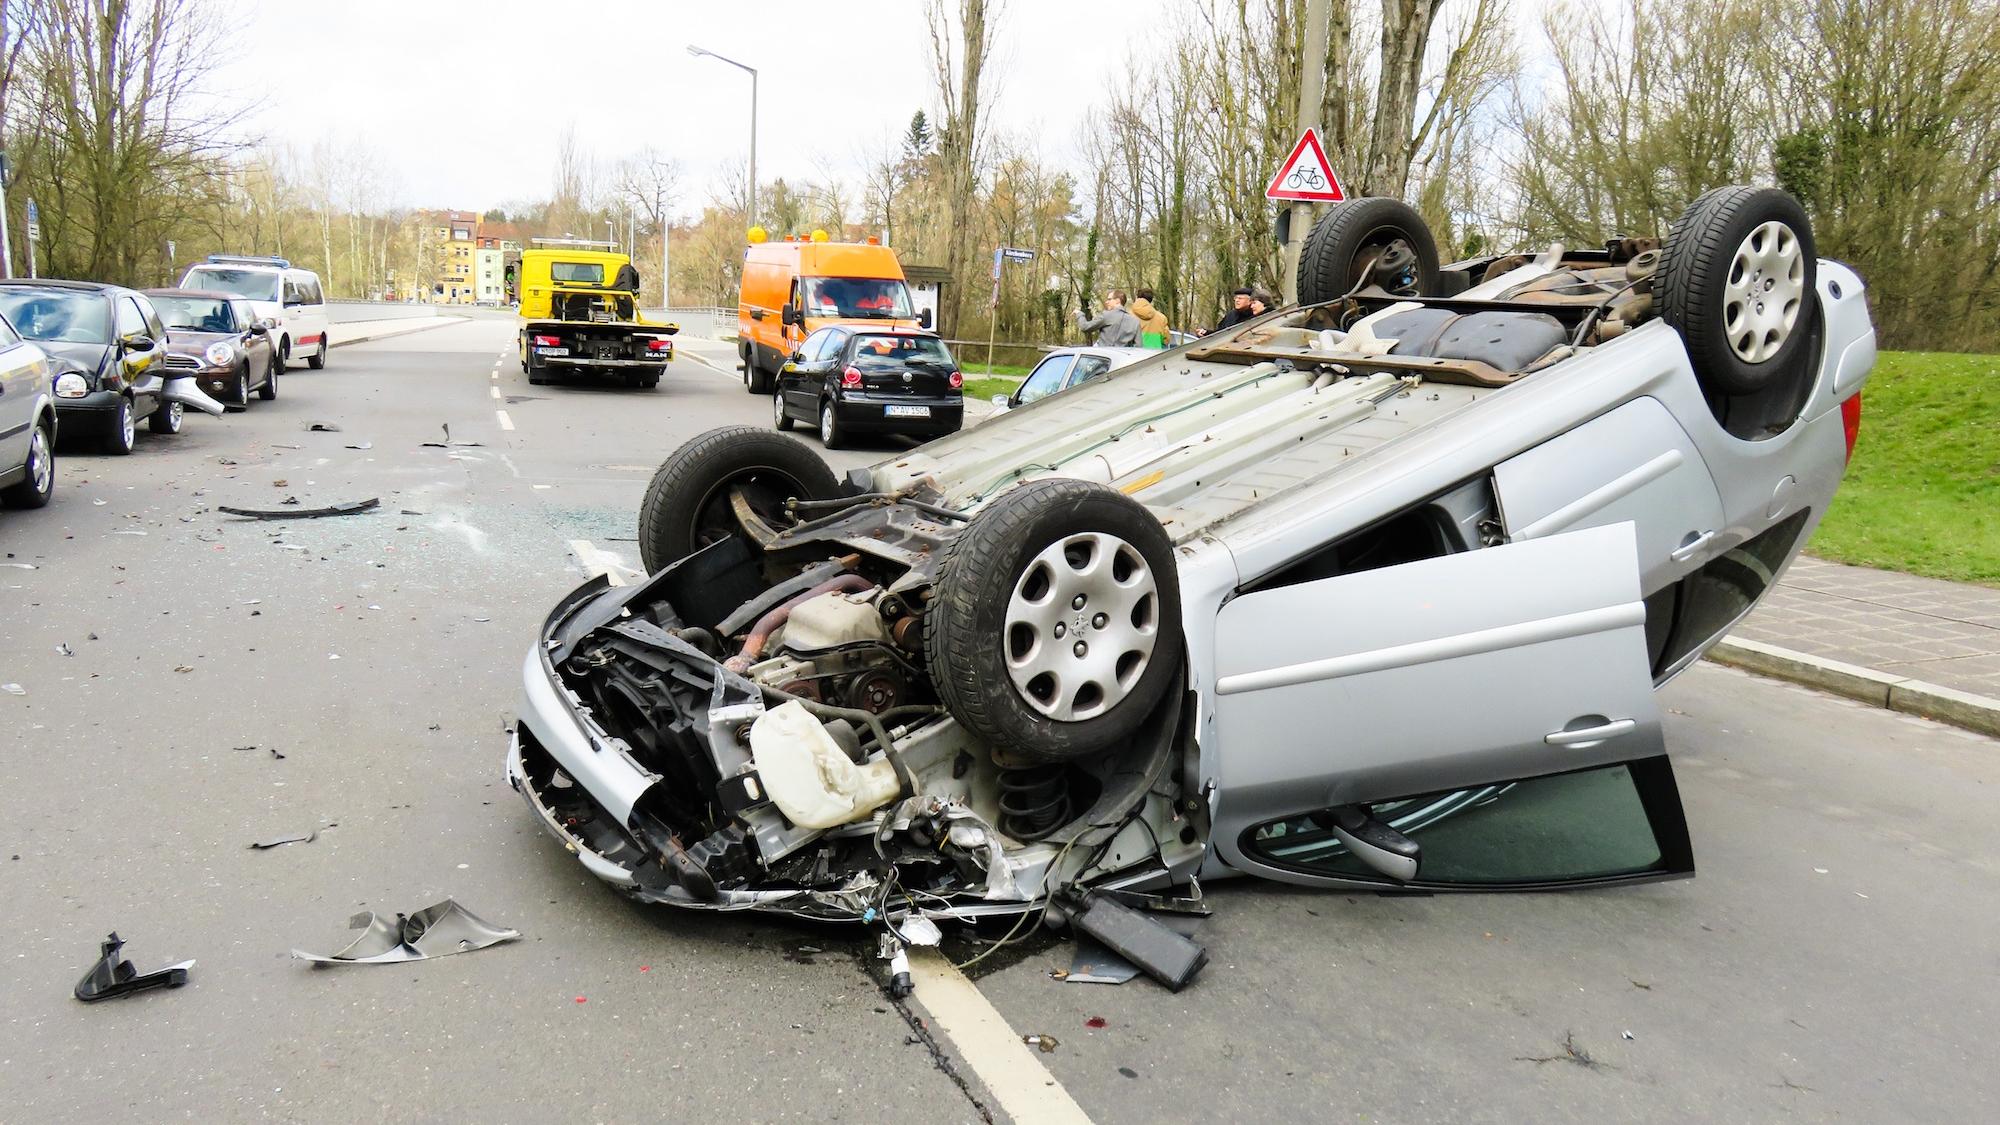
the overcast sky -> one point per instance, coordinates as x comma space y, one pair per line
464, 100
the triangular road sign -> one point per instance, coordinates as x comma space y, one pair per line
1306, 175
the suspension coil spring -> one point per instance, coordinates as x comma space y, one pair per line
1033, 801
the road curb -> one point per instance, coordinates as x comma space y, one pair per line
384, 335
1878, 689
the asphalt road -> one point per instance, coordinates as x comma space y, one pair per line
1836, 958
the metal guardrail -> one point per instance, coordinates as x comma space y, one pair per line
707, 321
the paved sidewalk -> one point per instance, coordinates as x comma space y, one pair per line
1944, 633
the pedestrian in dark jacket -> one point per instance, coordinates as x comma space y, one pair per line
1239, 311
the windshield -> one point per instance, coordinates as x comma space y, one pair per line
71, 318
878, 353
200, 314
857, 298
258, 285
576, 273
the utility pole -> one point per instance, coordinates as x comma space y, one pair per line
6, 248
1312, 86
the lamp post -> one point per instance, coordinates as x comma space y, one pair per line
611, 228
751, 212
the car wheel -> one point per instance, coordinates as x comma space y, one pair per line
758, 380
269, 391
1736, 279
166, 418
1055, 625
831, 433
35, 489
284, 353
124, 430
779, 418
1369, 241
317, 360
239, 398
689, 503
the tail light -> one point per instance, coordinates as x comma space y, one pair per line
659, 345
851, 377
1850, 421
548, 341
956, 380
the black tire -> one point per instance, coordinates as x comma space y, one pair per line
239, 398
35, 489
757, 380
1734, 347
269, 391
687, 506
284, 353
779, 418
968, 640
1351, 235
166, 418
317, 360
118, 436
832, 434
646, 382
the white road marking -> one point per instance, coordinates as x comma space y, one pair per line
707, 364
506, 423
596, 562
495, 390
1024, 1087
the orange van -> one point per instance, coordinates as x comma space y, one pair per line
792, 289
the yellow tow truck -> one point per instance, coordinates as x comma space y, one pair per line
580, 316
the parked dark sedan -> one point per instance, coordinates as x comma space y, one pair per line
849, 379
105, 341
219, 338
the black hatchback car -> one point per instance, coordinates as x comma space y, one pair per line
108, 349
850, 378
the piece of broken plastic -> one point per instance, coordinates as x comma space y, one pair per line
435, 931
112, 976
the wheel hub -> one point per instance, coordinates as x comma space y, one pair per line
1080, 626
1764, 293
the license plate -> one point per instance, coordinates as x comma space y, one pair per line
551, 351
908, 411
607, 351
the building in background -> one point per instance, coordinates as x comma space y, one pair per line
498, 260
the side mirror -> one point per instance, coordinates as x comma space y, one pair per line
259, 328
790, 315
923, 318
1003, 401
798, 357
139, 342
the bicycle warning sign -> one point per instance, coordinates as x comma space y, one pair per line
1306, 176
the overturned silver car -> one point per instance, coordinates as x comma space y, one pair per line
1372, 592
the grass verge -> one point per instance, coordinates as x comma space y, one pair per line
1922, 494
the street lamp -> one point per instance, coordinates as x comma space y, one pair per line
611, 228
698, 52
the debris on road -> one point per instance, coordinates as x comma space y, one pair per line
1100, 1022
323, 428
63, 649
112, 976
362, 445
281, 841
438, 930
21, 566
1047, 1043
354, 507
447, 443
13, 689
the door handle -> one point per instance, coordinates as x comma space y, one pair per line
1692, 547
1612, 729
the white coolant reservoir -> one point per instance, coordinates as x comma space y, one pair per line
809, 777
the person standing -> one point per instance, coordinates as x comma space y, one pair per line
1153, 329
1239, 311
1116, 327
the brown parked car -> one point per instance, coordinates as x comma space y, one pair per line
219, 338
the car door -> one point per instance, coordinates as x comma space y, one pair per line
1088, 368
21, 373
256, 345
1633, 464
1480, 691
311, 313
1046, 379
799, 379
132, 328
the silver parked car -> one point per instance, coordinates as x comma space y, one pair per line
27, 422
1374, 591
1064, 368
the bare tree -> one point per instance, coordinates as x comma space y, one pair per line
959, 68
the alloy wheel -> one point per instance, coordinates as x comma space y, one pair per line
1764, 292
1080, 627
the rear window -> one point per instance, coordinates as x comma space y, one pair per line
577, 273
875, 352
258, 285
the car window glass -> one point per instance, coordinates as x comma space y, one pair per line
576, 273
257, 285
873, 352
8, 338
198, 314
310, 289
1590, 824
243, 315
1045, 379
154, 326
66, 317
131, 322
815, 345
858, 298
1089, 367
